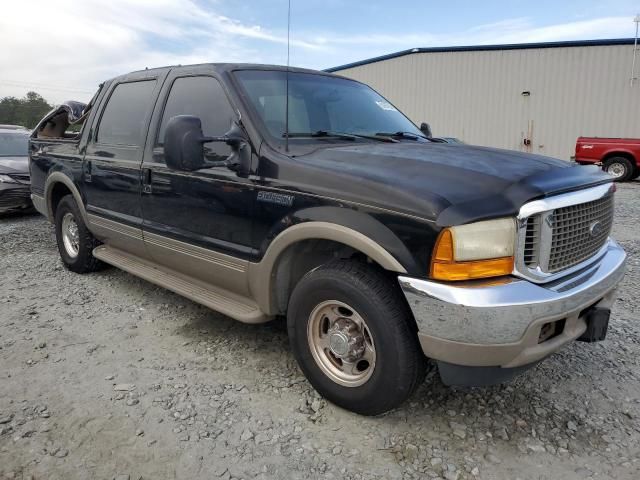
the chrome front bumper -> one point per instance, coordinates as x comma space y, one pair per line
498, 323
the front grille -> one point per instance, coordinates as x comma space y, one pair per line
579, 231
552, 241
22, 178
532, 242
14, 196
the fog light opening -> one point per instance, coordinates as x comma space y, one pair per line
551, 330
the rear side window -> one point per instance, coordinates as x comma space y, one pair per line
204, 98
124, 118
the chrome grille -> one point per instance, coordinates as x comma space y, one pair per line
558, 234
532, 242
574, 238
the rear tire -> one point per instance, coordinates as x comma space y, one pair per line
75, 241
620, 168
353, 337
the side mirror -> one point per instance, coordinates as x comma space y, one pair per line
183, 146
426, 129
183, 141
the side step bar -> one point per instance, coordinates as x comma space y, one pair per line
220, 300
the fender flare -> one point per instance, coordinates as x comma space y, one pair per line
261, 275
59, 177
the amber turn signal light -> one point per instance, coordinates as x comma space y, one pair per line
444, 267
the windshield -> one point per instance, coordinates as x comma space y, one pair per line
14, 144
319, 103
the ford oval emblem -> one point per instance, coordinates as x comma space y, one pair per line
596, 229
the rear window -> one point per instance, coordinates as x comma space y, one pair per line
124, 119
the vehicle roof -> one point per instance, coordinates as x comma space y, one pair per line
13, 128
227, 67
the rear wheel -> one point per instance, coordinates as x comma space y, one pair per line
353, 338
620, 168
75, 241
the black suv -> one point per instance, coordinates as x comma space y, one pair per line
261, 191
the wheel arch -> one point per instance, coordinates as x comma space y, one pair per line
265, 278
620, 153
56, 186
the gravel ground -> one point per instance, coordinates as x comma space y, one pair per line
107, 376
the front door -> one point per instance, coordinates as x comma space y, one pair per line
197, 223
111, 169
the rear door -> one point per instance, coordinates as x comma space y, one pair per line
111, 169
198, 223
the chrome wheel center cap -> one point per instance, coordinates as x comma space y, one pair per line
339, 344
616, 170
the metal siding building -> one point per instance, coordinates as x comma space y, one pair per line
478, 93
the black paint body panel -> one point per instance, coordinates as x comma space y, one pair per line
398, 194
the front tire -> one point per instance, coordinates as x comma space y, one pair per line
620, 168
75, 241
353, 337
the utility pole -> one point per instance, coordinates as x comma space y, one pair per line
635, 52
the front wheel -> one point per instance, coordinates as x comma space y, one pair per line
353, 337
620, 168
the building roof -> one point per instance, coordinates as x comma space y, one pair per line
482, 48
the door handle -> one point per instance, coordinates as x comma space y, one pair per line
146, 180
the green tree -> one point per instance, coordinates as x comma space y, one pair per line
26, 111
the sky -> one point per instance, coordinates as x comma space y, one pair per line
63, 49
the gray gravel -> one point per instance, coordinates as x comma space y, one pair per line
106, 376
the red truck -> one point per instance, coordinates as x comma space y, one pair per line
620, 157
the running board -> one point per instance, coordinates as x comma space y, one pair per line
235, 306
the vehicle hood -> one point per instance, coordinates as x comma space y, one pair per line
452, 184
14, 164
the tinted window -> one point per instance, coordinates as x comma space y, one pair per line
124, 119
204, 98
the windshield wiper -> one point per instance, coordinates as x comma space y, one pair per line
377, 137
342, 135
320, 133
407, 135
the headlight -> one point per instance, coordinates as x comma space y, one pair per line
6, 179
477, 250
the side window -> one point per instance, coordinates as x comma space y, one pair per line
123, 121
204, 98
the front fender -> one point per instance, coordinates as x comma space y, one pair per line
352, 228
399, 258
